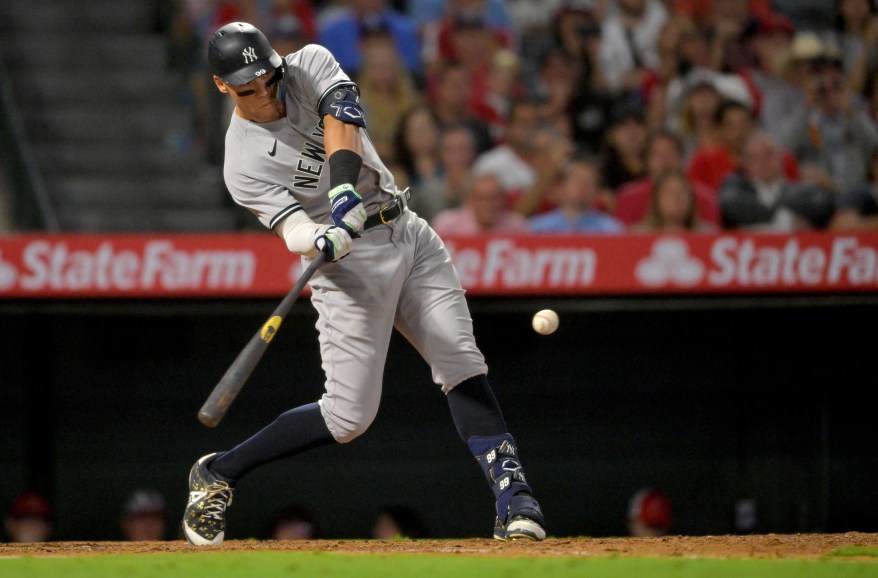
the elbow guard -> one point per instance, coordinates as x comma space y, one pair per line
343, 102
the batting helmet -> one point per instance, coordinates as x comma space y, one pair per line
239, 52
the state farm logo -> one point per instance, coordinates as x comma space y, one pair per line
669, 262
157, 266
8, 274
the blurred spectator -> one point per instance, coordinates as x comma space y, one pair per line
649, 513
671, 64
294, 523
513, 160
502, 87
416, 145
806, 14
769, 44
571, 70
672, 207
693, 101
701, 11
761, 197
577, 198
729, 26
468, 32
345, 31
622, 150
457, 151
144, 516
554, 87
387, 90
396, 522
664, 153
29, 519
711, 164
832, 134
450, 96
293, 25
857, 209
434, 17
483, 211
855, 34
628, 42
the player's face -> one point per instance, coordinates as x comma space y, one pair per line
257, 100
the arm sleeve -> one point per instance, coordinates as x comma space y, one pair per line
299, 232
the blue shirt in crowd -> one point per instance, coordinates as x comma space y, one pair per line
589, 222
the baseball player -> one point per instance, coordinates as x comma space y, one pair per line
298, 156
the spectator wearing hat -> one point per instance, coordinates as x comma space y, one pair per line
793, 69
144, 516
769, 43
29, 519
832, 134
649, 513
693, 103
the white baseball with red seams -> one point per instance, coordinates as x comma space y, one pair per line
545, 322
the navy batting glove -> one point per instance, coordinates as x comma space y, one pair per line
335, 243
348, 211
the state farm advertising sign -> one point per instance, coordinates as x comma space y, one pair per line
258, 265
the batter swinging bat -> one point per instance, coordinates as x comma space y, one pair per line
224, 393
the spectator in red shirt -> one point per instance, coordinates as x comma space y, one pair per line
713, 163
664, 153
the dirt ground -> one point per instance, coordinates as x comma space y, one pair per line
800, 546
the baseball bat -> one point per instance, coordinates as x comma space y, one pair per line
227, 389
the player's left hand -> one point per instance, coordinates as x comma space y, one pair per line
348, 211
334, 242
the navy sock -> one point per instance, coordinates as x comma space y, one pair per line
293, 432
475, 409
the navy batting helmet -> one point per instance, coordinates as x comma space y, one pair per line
239, 52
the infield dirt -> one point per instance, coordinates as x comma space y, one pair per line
772, 546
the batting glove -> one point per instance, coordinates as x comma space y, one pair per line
347, 209
335, 243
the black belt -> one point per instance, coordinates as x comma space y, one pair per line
388, 212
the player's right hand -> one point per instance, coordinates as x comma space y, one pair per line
335, 243
347, 209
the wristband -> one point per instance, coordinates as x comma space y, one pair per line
344, 167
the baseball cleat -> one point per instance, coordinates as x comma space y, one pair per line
204, 522
521, 527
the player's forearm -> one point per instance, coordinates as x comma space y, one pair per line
299, 232
338, 135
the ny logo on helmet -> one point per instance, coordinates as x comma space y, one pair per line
249, 55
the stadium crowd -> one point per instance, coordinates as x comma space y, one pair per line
593, 115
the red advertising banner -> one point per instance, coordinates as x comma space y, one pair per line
258, 265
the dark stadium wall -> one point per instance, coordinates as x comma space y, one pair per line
712, 404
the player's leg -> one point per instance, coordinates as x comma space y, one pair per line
213, 477
356, 306
434, 317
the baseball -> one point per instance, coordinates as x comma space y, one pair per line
545, 322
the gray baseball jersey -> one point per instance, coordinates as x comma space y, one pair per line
274, 168
397, 275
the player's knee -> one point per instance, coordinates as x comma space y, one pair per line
350, 423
